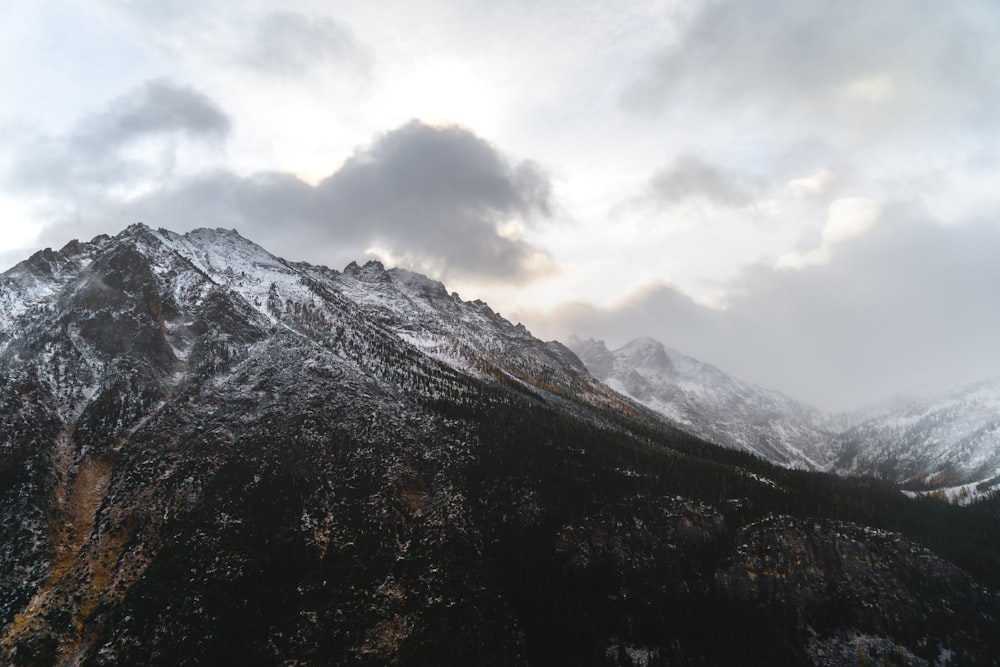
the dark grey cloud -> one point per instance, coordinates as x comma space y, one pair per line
659, 310
440, 195
903, 59
433, 198
290, 43
909, 304
92, 154
689, 177
158, 106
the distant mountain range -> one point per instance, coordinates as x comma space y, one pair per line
210, 455
711, 404
948, 439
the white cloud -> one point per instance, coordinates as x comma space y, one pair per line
847, 218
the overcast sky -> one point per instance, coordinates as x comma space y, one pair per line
804, 193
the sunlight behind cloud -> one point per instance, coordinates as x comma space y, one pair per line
443, 92
871, 89
18, 231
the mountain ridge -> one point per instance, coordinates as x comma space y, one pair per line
211, 455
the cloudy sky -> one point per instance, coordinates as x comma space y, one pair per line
803, 193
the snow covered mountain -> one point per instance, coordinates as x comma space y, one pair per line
138, 372
210, 455
949, 440
942, 440
711, 404
344, 311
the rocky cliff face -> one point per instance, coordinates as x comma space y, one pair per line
211, 456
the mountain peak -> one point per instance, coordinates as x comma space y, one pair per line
643, 342
138, 230
648, 353
372, 270
216, 232
594, 354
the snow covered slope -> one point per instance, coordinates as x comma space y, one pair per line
466, 335
946, 439
939, 441
711, 404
